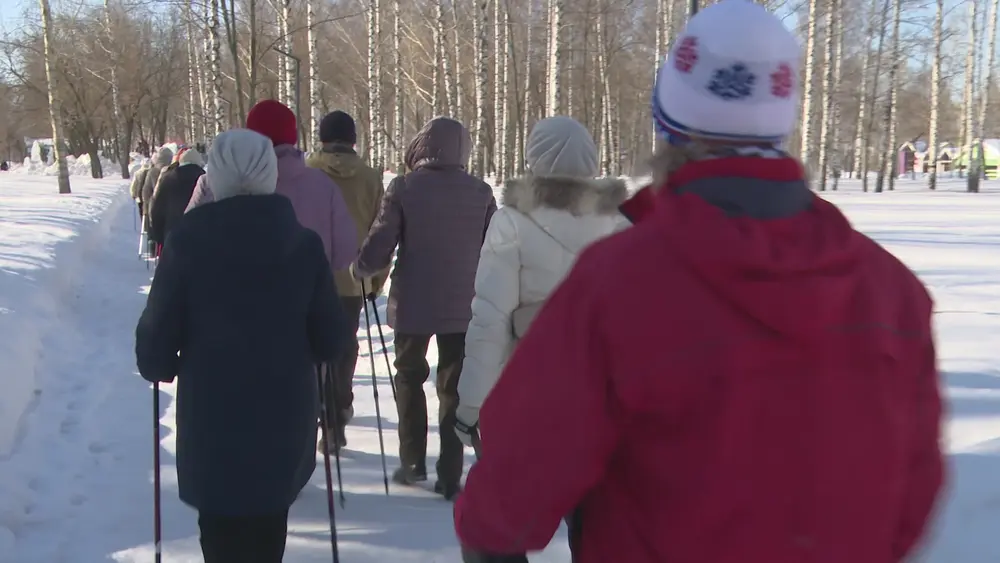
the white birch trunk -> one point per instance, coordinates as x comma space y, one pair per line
837, 167
984, 100
528, 85
935, 124
970, 81
288, 80
196, 117
889, 153
555, 60
810, 84
397, 88
441, 51
505, 133
217, 103
827, 108
315, 98
498, 93
602, 70
120, 145
459, 88
373, 94
50, 78
480, 26
202, 56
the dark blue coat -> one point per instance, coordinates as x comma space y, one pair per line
245, 295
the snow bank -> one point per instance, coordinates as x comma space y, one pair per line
44, 237
78, 166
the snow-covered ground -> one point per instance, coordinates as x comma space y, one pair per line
75, 486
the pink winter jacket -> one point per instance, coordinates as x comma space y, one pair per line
317, 201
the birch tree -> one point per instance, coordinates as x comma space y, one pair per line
121, 147
54, 107
866, 119
838, 69
397, 87
480, 25
315, 96
288, 80
602, 69
827, 109
974, 179
459, 88
373, 86
220, 116
196, 118
555, 58
934, 128
889, 122
499, 97
969, 92
810, 83
528, 85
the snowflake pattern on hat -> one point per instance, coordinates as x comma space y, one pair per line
686, 55
781, 81
733, 82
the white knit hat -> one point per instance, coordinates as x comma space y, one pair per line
731, 75
561, 146
191, 156
241, 162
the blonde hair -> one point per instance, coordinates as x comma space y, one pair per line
668, 158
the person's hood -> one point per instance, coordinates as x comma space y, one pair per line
574, 211
756, 235
442, 143
164, 157
336, 161
291, 163
579, 196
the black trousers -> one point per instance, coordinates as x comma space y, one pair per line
343, 371
243, 539
412, 371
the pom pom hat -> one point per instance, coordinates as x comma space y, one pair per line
731, 76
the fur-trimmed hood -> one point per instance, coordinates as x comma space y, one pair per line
600, 196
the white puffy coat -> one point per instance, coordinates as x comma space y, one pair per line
521, 264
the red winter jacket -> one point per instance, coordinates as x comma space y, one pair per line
739, 378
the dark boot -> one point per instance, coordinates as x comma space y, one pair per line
409, 475
448, 491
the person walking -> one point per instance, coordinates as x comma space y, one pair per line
173, 192
437, 214
549, 216
242, 327
163, 159
317, 201
138, 179
741, 375
362, 189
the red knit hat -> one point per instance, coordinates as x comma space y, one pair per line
275, 121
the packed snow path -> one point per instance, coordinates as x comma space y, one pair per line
78, 486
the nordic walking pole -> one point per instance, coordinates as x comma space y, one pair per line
385, 349
157, 525
325, 415
378, 409
324, 381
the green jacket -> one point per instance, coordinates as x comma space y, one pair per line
362, 188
